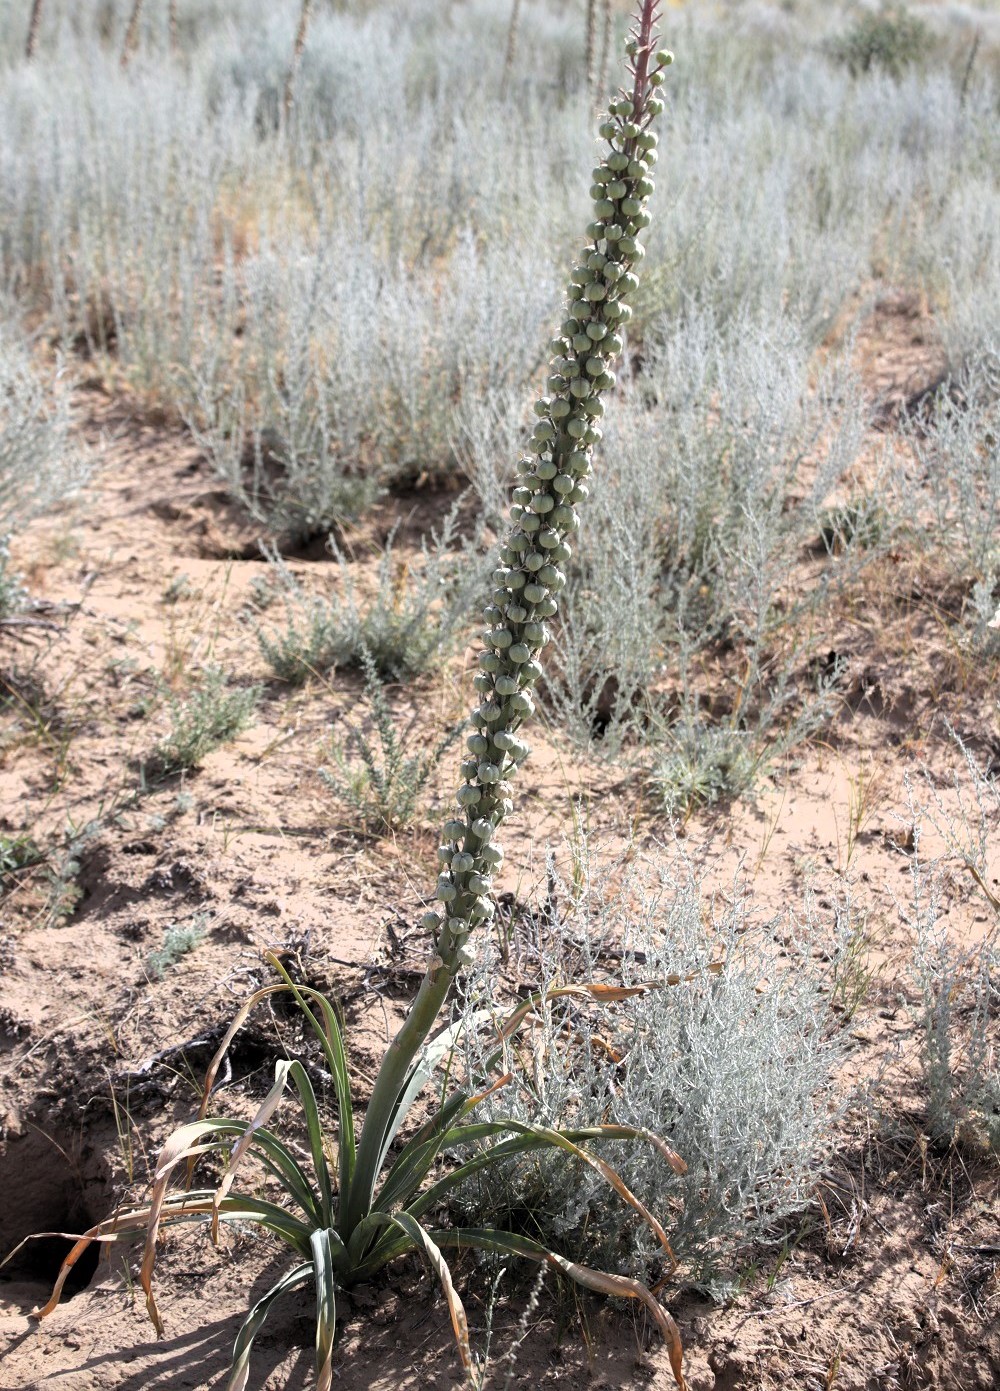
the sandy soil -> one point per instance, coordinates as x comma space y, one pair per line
891, 1283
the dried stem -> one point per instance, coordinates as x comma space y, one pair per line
34, 23
508, 62
305, 14
131, 40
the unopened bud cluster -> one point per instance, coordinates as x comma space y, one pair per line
552, 481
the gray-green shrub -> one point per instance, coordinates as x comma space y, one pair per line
738, 1075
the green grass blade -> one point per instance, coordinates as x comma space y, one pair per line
239, 1370
332, 1042
314, 1127
322, 1244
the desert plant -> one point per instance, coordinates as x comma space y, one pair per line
412, 619
178, 940
351, 1224
383, 784
38, 466
210, 716
739, 1074
891, 40
958, 449
957, 983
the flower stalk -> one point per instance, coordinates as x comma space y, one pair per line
552, 483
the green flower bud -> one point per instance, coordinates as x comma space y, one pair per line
507, 686
603, 207
595, 230
482, 683
644, 189
631, 206
431, 922
535, 594
637, 169
531, 670
478, 884
522, 704
581, 342
617, 161
488, 661
535, 633
654, 106
607, 130
595, 332
617, 189
477, 743
544, 430
664, 58
600, 174
520, 653
516, 578
517, 613
500, 638
582, 309
445, 853
595, 366
493, 856
488, 772
613, 232
547, 538
595, 292
576, 429
656, 78
646, 140
630, 130
546, 470
534, 561
462, 863
530, 522
542, 503
563, 516
446, 890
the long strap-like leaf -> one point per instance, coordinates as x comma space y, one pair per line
239, 1371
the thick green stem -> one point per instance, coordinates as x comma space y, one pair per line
381, 1117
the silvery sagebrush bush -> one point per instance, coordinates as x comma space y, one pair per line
958, 450
957, 983
735, 1062
722, 455
418, 609
351, 1218
38, 465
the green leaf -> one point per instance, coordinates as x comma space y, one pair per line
324, 1245
314, 1126
332, 1042
239, 1370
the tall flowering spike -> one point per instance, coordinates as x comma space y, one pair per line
552, 483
